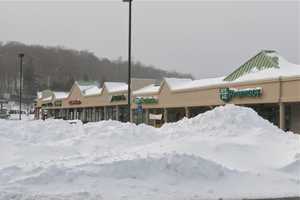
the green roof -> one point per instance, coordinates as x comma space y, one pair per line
259, 62
87, 83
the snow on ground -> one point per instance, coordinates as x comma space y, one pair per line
229, 152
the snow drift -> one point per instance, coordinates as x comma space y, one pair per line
229, 152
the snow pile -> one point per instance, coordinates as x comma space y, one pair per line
222, 121
229, 152
293, 168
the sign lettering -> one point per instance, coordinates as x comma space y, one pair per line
146, 100
75, 102
226, 94
118, 98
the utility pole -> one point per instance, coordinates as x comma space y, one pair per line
129, 58
21, 55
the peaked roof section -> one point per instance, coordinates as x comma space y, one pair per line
175, 83
259, 62
88, 88
95, 90
201, 83
150, 89
60, 95
39, 95
45, 95
113, 87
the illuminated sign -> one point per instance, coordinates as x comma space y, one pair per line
146, 100
58, 103
226, 94
47, 105
118, 98
75, 102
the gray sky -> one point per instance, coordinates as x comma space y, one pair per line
205, 39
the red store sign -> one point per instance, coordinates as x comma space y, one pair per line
74, 102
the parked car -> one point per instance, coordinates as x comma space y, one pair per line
4, 114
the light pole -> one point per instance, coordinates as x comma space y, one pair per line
129, 59
21, 55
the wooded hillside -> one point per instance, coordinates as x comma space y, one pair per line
58, 68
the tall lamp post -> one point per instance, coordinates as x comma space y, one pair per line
21, 55
129, 58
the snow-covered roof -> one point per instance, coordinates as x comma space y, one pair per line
88, 88
284, 69
47, 98
83, 85
150, 89
200, 83
60, 95
92, 91
39, 95
115, 87
174, 83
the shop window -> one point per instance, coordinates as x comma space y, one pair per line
139, 117
123, 114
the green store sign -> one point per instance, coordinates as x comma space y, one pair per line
226, 94
47, 105
58, 103
146, 100
118, 98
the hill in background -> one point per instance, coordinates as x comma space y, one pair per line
57, 68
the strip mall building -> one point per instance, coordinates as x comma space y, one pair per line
266, 82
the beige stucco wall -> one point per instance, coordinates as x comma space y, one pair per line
286, 90
290, 89
210, 96
90, 101
137, 83
45, 94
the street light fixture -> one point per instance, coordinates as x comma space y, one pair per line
21, 55
129, 59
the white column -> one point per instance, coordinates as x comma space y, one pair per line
94, 114
282, 116
101, 114
131, 115
60, 113
117, 112
147, 115
83, 115
105, 114
187, 112
166, 115
75, 113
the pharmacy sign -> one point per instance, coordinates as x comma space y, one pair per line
226, 94
146, 100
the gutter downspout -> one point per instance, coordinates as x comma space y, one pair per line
281, 107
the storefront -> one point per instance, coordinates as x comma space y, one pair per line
266, 82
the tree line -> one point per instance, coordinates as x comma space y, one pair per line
57, 68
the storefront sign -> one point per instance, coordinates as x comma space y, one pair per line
75, 102
226, 94
118, 98
146, 100
155, 116
139, 108
58, 103
47, 105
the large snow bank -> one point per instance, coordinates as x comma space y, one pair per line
229, 152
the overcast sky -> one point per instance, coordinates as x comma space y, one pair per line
205, 39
